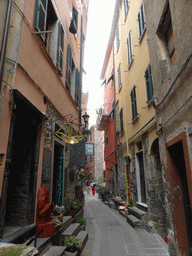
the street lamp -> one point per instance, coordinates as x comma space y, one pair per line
86, 119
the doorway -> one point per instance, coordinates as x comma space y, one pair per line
179, 175
21, 168
141, 178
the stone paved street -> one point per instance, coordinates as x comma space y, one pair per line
111, 235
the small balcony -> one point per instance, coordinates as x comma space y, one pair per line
102, 120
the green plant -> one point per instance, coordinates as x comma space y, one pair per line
73, 243
80, 220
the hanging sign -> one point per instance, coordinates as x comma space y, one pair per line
59, 192
89, 148
77, 153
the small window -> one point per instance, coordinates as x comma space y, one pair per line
121, 120
126, 6
129, 49
149, 85
134, 103
141, 21
119, 76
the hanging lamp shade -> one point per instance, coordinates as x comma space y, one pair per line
72, 27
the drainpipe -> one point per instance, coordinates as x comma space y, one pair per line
5, 38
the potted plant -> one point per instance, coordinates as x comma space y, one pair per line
82, 222
73, 245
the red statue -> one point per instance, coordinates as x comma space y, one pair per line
44, 210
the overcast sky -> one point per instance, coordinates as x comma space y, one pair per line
100, 15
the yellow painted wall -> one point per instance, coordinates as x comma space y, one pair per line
133, 75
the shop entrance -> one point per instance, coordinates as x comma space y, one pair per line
20, 176
141, 178
178, 176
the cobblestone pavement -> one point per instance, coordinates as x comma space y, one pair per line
111, 235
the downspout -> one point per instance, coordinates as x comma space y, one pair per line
5, 38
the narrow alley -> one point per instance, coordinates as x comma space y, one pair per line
111, 235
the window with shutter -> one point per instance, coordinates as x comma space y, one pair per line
119, 76
117, 38
134, 103
121, 120
69, 67
129, 49
77, 88
141, 21
60, 48
149, 85
126, 6
75, 17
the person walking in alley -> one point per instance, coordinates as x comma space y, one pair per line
93, 185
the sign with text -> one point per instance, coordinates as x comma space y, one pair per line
59, 191
77, 153
89, 148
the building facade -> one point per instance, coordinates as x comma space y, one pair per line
169, 39
40, 87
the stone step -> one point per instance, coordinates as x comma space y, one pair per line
136, 212
42, 244
83, 235
133, 221
21, 235
123, 213
56, 239
72, 230
55, 251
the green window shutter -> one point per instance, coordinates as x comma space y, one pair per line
60, 48
75, 17
149, 85
68, 77
121, 121
134, 102
139, 24
77, 88
41, 16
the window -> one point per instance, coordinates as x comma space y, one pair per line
129, 49
149, 85
50, 31
134, 103
70, 67
60, 48
121, 120
117, 38
126, 6
141, 21
111, 78
75, 17
165, 32
119, 76
77, 88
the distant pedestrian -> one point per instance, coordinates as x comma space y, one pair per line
93, 185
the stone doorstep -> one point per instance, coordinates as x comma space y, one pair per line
133, 221
83, 235
21, 235
72, 230
136, 212
55, 251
